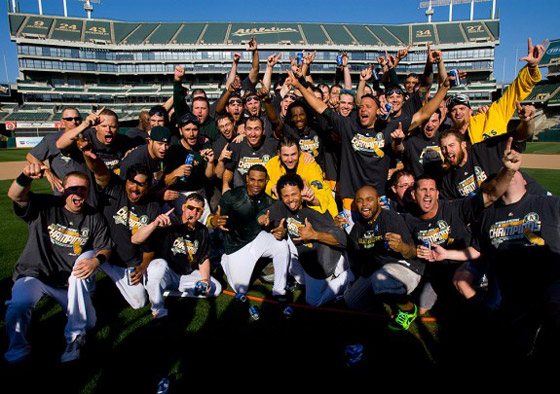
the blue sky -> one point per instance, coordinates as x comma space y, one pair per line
517, 20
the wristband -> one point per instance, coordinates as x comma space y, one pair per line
23, 180
102, 258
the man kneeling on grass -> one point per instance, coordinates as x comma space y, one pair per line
182, 255
316, 244
68, 240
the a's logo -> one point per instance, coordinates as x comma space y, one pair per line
263, 30
135, 222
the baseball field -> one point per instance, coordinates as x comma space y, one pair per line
211, 344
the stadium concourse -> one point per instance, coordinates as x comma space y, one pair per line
381, 180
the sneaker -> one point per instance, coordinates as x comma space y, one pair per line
403, 320
73, 349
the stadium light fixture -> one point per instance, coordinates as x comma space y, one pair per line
441, 3
88, 7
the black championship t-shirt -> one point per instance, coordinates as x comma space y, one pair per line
125, 218
483, 161
244, 157
448, 227
309, 141
365, 154
113, 153
175, 157
522, 243
142, 156
317, 259
423, 155
368, 249
183, 249
57, 238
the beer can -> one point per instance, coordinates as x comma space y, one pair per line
426, 244
240, 297
375, 74
201, 288
385, 202
300, 58
454, 73
339, 60
288, 312
254, 312
344, 215
354, 354
129, 271
189, 160
388, 107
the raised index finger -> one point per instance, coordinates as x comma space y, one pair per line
99, 111
169, 212
509, 143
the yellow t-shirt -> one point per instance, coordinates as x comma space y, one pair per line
312, 175
494, 122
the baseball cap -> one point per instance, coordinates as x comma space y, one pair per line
160, 134
458, 99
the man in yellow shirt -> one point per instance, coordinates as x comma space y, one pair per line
495, 120
316, 191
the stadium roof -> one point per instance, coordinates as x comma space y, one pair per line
108, 32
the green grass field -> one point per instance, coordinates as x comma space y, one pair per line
543, 148
215, 338
13, 154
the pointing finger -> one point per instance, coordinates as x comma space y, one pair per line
169, 212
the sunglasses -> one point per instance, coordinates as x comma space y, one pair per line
194, 208
189, 118
157, 113
75, 189
75, 119
141, 184
391, 92
235, 101
290, 96
252, 98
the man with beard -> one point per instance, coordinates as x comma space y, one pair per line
182, 256
68, 240
127, 208
316, 193
382, 256
442, 224
316, 244
221, 146
107, 144
189, 178
421, 152
494, 122
470, 165
254, 149
245, 241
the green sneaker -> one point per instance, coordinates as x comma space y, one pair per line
403, 320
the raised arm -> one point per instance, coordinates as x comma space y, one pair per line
431, 106
222, 101
255, 66
179, 103
526, 127
346, 72
315, 103
19, 190
233, 71
142, 235
495, 189
271, 113
270, 63
68, 138
365, 75
100, 171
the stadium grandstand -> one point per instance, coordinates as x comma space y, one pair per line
128, 66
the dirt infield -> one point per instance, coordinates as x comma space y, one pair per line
11, 169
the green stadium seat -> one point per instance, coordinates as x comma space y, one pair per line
164, 33
141, 33
28, 116
3, 114
401, 32
123, 29
554, 100
189, 33
15, 23
67, 29
449, 33
338, 34
215, 33
314, 34
494, 28
384, 35
363, 35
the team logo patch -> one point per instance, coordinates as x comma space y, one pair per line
317, 184
369, 239
130, 219
436, 235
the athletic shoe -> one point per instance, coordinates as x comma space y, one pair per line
403, 320
73, 349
